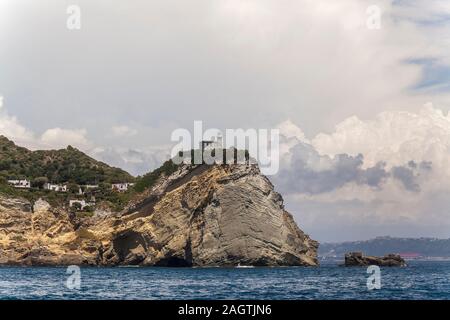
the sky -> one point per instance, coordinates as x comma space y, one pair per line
363, 111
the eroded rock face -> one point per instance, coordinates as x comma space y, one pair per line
41, 205
198, 216
353, 259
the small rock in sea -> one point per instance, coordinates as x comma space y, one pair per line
353, 259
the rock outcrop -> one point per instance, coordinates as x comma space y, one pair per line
198, 216
353, 259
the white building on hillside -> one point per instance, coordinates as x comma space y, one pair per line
83, 188
55, 187
83, 204
121, 187
215, 143
90, 186
23, 184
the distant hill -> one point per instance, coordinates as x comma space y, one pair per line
65, 165
425, 247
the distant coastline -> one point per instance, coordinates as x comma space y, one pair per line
420, 249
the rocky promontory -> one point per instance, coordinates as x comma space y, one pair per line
219, 215
353, 259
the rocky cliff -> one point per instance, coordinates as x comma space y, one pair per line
198, 216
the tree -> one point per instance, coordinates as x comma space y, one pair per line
73, 187
88, 209
77, 206
104, 187
5, 165
39, 182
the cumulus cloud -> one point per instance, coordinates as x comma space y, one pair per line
309, 172
10, 127
54, 138
399, 136
60, 138
289, 130
124, 131
135, 161
386, 174
406, 176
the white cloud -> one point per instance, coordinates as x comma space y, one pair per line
55, 138
289, 130
58, 138
395, 137
135, 161
403, 197
10, 127
124, 131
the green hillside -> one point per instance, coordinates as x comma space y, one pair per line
75, 169
58, 166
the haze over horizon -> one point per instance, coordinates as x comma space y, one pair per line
363, 113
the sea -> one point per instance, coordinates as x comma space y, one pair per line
419, 280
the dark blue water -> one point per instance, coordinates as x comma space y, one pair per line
420, 280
